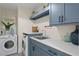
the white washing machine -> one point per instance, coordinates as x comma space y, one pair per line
8, 45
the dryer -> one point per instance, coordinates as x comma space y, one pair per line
8, 45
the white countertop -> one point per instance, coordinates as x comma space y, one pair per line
61, 45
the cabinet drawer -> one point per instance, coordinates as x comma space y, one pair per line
51, 51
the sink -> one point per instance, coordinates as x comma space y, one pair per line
41, 37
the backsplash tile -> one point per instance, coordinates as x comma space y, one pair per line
56, 31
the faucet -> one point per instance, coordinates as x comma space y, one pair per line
44, 32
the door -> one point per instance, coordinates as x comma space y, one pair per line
56, 13
71, 12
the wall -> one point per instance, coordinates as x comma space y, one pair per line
24, 24
7, 12
58, 32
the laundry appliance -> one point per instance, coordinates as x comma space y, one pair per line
8, 45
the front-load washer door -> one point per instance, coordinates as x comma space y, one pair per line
9, 46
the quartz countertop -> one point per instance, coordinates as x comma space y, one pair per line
61, 45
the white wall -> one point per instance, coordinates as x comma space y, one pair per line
7, 12
24, 24
55, 31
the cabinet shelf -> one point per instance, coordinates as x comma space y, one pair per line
42, 13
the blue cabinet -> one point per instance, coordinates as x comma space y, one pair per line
35, 50
38, 49
63, 13
71, 12
56, 12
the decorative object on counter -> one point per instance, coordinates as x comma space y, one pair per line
35, 28
67, 38
74, 36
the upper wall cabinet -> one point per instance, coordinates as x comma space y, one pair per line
40, 14
56, 12
64, 13
71, 12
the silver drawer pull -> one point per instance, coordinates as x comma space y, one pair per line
33, 48
59, 18
62, 18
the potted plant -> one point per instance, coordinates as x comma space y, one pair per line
7, 25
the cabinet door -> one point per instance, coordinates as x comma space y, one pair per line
56, 12
71, 12
37, 51
34, 51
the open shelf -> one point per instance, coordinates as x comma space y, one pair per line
42, 13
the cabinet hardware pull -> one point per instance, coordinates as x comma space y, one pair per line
33, 48
62, 18
52, 52
59, 18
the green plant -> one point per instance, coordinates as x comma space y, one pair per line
7, 25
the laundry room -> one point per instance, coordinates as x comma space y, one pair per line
39, 29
